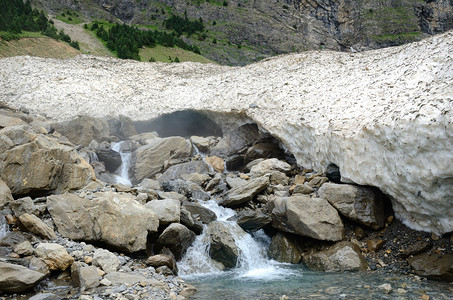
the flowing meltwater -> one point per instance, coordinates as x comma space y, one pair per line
4, 229
123, 176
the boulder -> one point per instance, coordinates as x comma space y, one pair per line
160, 260
244, 193
167, 210
24, 249
17, 279
121, 127
82, 130
284, 247
175, 172
221, 238
7, 121
34, 224
37, 163
333, 173
312, 217
236, 140
343, 256
110, 158
263, 150
54, 255
437, 267
202, 143
187, 188
235, 181
177, 238
151, 158
360, 204
268, 165
205, 215
5, 194
317, 181
187, 220
150, 184
417, 248
304, 189
216, 162
198, 178
106, 260
84, 277
251, 220
115, 219
24, 205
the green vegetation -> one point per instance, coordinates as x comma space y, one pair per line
182, 25
398, 38
163, 54
70, 17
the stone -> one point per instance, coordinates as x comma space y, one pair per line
343, 256
150, 184
202, 143
7, 121
268, 165
205, 215
187, 188
130, 278
110, 158
177, 238
244, 193
303, 189
44, 296
144, 138
235, 181
360, 204
216, 162
106, 260
84, 277
167, 210
112, 218
24, 205
385, 287
5, 195
375, 245
234, 163
39, 265
223, 247
82, 130
160, 260
417, 248
17, 279
34, 224
236, 140
151, 158
198, 178
437, 267
175, 172
54, 255
285, 248
24, 248
333, 173
316, 182
251, 220
166, 271
121, 127
263, 150
278, 178
312, 217
299, 179
38, 163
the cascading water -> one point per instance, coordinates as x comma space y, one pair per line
123, 176
4, 229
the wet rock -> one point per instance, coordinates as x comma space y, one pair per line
417, 248
437, 267
360, 204
112, 218
54, 255
175, 172
222, 243
82, 130
5, 194
333, 173
216, 162
251, 220
236, 140
269, 165
177, 238
187, 220
386, 288
16, 279
160, 260
285, 248
343, 256
84, 277
234, 162
375, 245
202, 143
33, 224
110, 158
205, 215
312, 217
106, 260
24, 249
151, 158
167, 210
244, 193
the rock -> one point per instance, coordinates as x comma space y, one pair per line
343, 256
150, 184
24, 248
187, 188
106, 260
197, 211
375, 245
303, 189
166, 271
111, 218
5, 194
386, 288
33, 224
299, 179
121, 127
223, 247
17, 279
39, 265
234, 163
7, 121
316, 182
188, 221
167, 210
244, 193
23, 205
151, 158
84, 277
263, 150
360, 204
177, 238
198, 178
44, 296
216, 162
269, 165
333, 173
236, 140
175, 172
437, 267
285, 248
202, 143
110, 158
312, 217
82, 130
128, 278
278, 178
54, 255
144, 138
235, 181
37, 163
160, 260
119, 187
417, 248
251, 220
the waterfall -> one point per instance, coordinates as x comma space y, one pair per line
123, 171
203, 157
4, 229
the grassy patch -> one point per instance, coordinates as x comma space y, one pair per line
398, 37
163, 54
70, 17
41, 47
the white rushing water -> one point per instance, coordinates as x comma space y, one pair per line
252, 263
123, 176
4, 229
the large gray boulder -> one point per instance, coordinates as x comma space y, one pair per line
360, 204
54, 255
199, 212
151, 158
112, 218
269, 165
110, 158
5, 194
82, 130
250, 220
167, 210
32, 162
236, 140
175, 172
121, 127
16, 279
84, 277
34, 224
437, 267
343, 256
312, 217
177, 238
106, 260
284, 247
244, 193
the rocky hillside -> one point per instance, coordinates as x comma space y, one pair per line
243, 31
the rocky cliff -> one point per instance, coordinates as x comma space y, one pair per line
247, 31
384, 117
